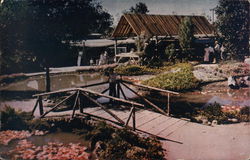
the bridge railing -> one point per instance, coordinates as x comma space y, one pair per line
83, 94
169, 93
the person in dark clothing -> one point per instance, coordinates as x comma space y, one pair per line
112, 83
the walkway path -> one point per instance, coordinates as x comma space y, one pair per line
200, 142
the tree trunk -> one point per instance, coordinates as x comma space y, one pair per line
47, 83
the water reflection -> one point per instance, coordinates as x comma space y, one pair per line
57, 82
217, 92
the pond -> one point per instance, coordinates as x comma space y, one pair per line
58, 137
218, 92
19, 93
59, 81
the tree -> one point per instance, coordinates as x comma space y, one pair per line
139, 8
233, 25
47, 23
186, 37
12, 14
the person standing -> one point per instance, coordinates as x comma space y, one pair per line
105, 57
222, 52
206, 54
112, 84
216, 52
101, 59
91, 62
211, 54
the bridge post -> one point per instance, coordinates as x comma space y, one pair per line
120, 88
74, 106
168, 105
80, 102
40, 105
33, 111
117, 89
133, 117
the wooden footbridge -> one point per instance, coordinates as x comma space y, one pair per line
146, 117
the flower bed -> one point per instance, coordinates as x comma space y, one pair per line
7, 136
52, 151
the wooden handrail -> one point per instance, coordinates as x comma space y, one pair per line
146, 100
114, 98
54, 92
149, 87
89, 91
92, 85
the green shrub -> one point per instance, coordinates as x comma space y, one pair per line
123, 144
14, 120
155, 62
244, 114
170, 52
180, 79
131, 70
39, 124
214, 112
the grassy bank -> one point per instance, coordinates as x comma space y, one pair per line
134, 70
177, 78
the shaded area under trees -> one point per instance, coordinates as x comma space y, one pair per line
42, 27
233, 25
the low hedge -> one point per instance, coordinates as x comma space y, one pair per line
214, 112
178, 79
131, 70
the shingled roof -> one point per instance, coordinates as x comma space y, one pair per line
159, 25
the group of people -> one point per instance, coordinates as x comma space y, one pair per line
235, 83
214, 54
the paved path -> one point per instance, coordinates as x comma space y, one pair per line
200, 142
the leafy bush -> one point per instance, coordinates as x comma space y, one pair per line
181, 78
155, 62
131, 70
214, 112
39, 124
123, 144
171, 53
14, 120
244, 114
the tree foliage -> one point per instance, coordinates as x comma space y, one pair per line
139, 8
12, 28
186, 37
170, 52
43, 25
233, 24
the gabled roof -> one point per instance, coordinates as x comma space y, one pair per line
159, 25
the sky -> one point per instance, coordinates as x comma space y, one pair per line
165, 7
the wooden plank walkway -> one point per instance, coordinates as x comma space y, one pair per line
146, 121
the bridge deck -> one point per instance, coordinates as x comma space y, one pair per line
146, 121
